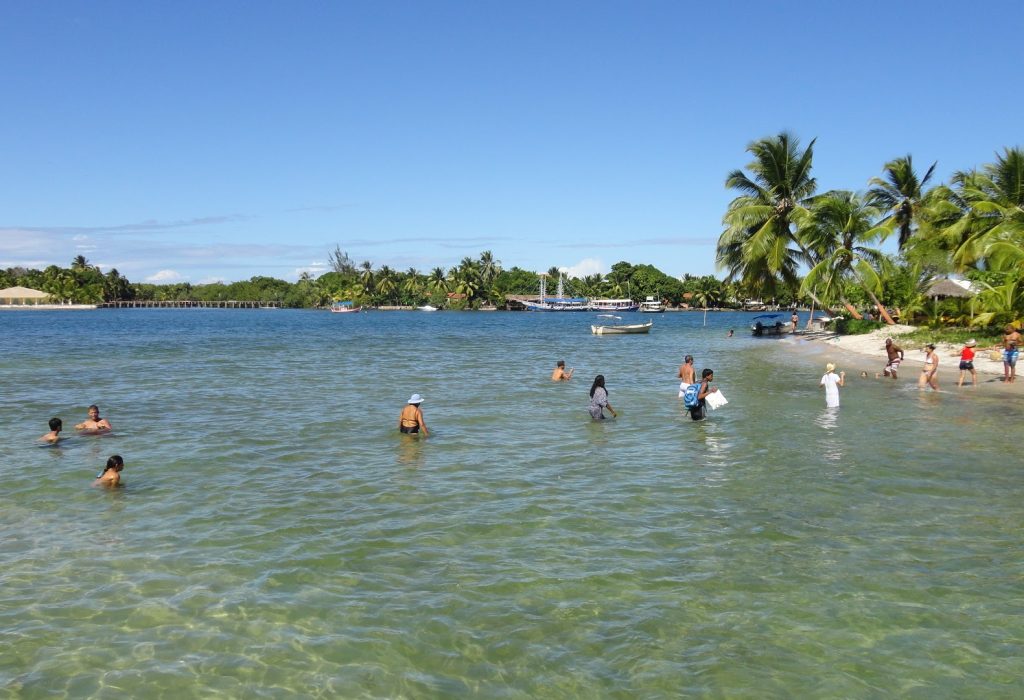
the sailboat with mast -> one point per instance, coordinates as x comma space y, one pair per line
559, 302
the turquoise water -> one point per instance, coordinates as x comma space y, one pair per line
278, 537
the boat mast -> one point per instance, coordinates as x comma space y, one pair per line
561, 286
543, 285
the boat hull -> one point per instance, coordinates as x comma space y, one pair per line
622, 329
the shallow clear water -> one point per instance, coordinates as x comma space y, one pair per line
277, 536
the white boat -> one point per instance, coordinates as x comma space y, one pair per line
344, 307
426, 307
651, 306
613, 305
620, 329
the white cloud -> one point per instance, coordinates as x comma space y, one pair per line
586, 266
211, 280
164, 276
315, 269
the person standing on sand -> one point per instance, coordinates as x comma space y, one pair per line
931, 367
559, 374
411, 418
599, 399
967, 363
1011, 341
895, 355
832, 382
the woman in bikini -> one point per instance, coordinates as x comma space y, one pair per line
931, 367
411, 418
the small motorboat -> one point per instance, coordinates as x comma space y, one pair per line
621, 328
769, 324
426, 307
344, 307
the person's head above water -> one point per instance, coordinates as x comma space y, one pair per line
598, 383
115, 462
94, 412
56, 423
560, 363
688, 359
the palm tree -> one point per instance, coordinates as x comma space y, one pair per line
901, 195
366, 277
760, 223
437, 281
386, 283
840, 231
489, 268
707, 292
990, 225
80, 263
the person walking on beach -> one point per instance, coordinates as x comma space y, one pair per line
111, 474
411, 419
831, 381
931, 367
94, 423
1011, 341
967, 363
895, 355
559, 374
599, 399
687, 374
56, 425
699, 411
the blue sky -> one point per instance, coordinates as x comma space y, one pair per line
201, 141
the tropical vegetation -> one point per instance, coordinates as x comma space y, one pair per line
778, 226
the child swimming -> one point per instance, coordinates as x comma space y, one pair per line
111, 474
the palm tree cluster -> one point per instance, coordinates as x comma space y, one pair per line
778, 225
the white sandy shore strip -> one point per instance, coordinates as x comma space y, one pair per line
873, 345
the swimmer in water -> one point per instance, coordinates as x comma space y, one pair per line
411, 418
111, 474
559, 374
54, 435
94, 422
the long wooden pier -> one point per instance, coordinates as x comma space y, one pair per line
190, 304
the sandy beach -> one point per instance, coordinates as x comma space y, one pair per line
867, 353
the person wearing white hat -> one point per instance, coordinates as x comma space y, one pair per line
967, 363
411, 418
832, 382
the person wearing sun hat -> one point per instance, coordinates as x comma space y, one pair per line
411, 418
831, 381
967, 363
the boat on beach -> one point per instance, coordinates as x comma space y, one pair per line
344, 307
650, 305
620, 328
768, 324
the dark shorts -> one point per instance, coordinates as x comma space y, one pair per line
966, 364
698, 412
413, 429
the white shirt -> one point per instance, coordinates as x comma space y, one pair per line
831, 383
